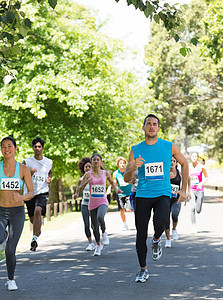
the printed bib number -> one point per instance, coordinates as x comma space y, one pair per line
38, 178
154, 171
194, 180
38, 181
122, 182
97, 191
174, 190
10, 184
86, 196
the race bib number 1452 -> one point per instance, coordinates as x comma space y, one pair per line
10, 184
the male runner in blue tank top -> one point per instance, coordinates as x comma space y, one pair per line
152, 158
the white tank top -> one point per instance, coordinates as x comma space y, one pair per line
39, 178
86, 195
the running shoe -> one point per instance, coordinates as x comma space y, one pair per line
105, 239
97, 251
11, 285
142, 276
3, 245
125, 226
168, 244
156, 250
90, 247
34, 245
174, 235
194, 230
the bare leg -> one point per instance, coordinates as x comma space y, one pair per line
37, 221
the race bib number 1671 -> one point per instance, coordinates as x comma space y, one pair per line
154, 171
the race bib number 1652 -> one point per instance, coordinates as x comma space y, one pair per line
97, 191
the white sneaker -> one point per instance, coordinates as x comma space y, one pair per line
105, 239
11, 285
142, 276
97, 251
90, 247
168, 244
194, 230
34, 244
156, 250
174, 235
125, 226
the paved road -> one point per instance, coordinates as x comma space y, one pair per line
61, 269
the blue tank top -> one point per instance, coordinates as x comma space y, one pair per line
154, 174
10, 183
122, 185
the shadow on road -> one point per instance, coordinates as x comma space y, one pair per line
191, 269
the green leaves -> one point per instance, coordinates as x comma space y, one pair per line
27, 22
185, 50
194, 41
187, 89
14, 26
52, 3
68, 89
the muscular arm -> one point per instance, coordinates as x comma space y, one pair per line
185, 172
132, 166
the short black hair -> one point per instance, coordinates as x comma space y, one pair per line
38, 140
82, 163
10, 139
151, 116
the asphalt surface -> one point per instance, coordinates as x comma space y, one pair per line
61, 269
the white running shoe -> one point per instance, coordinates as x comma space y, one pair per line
90, 247
34, 245
97, 251
156, 250
168, 244
194, 229
174, 235
11, 285
142, 276
125, 226
105, 239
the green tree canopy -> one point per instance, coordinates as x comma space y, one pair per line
186, 90
69, 91
15, 24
